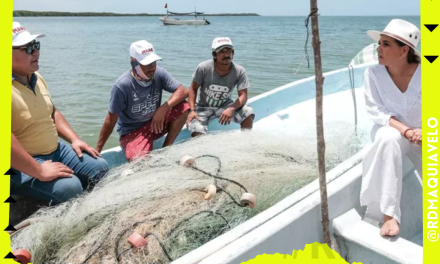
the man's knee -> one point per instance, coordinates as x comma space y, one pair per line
101, 168
67, 188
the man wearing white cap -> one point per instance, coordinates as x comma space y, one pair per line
135, 104
217, 78
47, 169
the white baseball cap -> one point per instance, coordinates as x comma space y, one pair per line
143, 51
401, 30
20, 36
220, 43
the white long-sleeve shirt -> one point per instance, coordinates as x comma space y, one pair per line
384, 99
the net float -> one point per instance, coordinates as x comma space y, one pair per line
187, 161
248, 199
22, 256
136, 240
211, 191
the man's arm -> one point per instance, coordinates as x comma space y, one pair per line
241, 100
192, 94
22, 161
106, 130
178, 96
63, 128
66, 132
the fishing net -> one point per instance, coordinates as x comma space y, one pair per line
163, 201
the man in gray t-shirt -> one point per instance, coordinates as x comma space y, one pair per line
213, 83
135, 105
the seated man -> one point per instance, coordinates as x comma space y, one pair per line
135, 104
47, 169
218, 78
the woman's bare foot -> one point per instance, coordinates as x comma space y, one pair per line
390, 226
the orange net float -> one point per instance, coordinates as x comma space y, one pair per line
136, 240
22, 256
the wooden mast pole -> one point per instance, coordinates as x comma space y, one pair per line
319, 79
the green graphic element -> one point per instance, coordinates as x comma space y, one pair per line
312, 253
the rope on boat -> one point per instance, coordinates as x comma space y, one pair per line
353, 93
306, 52
92, 253
288, 158
145, 236
306, 23
216, 177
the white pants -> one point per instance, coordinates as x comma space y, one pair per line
382, 172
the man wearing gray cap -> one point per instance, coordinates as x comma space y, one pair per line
47, 168
135, 105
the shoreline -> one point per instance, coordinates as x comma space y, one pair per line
25, 13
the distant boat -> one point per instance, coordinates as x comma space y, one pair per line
167, 21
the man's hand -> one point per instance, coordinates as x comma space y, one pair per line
158, 119
192, 114
225, 118
79, 146
53, 170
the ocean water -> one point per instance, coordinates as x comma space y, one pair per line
82, 56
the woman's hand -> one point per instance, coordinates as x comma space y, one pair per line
414, 136
417, 137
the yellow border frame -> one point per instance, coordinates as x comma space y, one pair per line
430, 116
430, 110
5, 136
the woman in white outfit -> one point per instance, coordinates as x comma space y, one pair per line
393, 102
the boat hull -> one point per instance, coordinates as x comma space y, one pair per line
175, 22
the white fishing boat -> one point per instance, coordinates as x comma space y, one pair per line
296, 220
168, 21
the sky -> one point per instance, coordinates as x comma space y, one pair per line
262, 7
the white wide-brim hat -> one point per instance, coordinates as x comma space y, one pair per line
401, 30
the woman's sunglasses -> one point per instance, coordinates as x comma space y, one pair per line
30, 48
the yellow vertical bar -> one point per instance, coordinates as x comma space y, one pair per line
5, 128
430, 127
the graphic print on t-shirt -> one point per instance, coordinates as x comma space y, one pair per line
147, 106
217, 94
